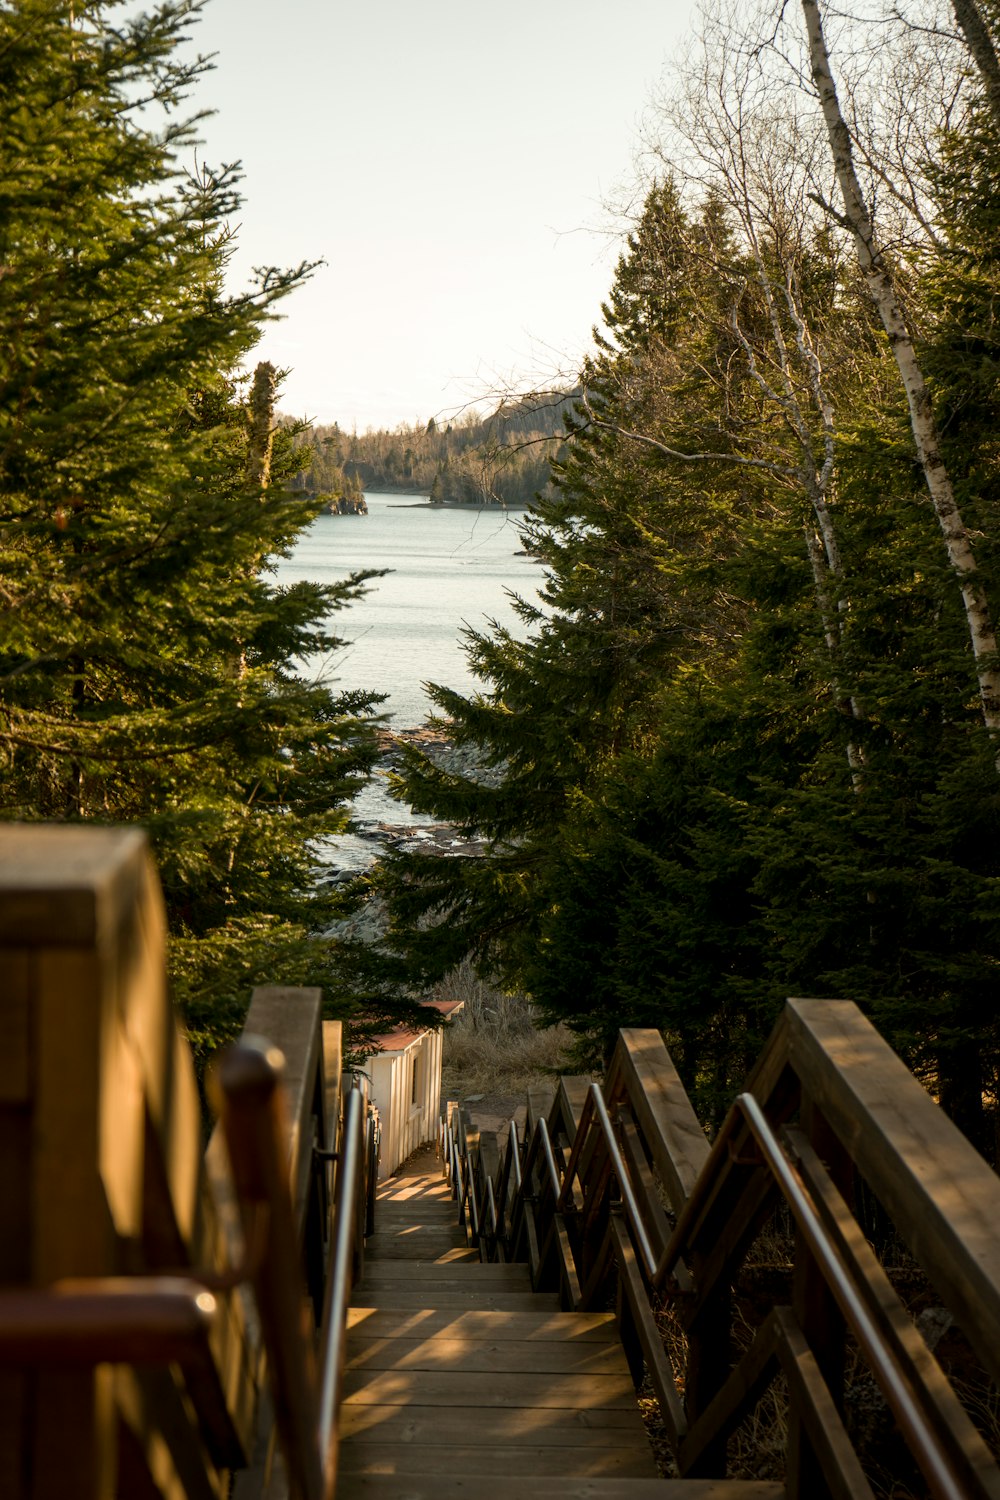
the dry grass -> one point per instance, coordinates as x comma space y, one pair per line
493, 1047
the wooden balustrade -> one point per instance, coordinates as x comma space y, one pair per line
132, 1356
618, 1193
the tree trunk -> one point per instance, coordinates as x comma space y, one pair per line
262, 397
980, 44
922, 423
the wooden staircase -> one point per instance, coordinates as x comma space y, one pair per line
462, 1382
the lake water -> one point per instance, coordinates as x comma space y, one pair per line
450, 568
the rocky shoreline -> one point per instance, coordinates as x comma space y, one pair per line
382, 835
409, 834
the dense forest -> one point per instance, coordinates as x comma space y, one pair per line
750, 746
502, 458
146, 655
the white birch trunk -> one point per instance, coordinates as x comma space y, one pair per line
858, 220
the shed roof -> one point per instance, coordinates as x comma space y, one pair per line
402, 1037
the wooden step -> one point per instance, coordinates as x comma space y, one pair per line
506, 1427
532, 1326
438, 1250
475, 1389
502, 1356
411, 1189
397, 1296
433, 1215
376, 1456
492, 1487
473, 1273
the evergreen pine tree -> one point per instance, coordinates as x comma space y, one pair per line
146, 658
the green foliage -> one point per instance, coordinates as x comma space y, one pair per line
737, 765
146, 659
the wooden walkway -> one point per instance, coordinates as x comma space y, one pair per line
463, 1384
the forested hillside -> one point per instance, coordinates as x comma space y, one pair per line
500, 459
750, 747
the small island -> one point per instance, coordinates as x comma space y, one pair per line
347, 497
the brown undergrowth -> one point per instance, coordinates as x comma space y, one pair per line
493, 1047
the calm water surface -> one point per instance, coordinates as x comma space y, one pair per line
450, 568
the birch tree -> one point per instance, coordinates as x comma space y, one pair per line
877, 272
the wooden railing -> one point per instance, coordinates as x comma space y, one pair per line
616, 1194
162, 1306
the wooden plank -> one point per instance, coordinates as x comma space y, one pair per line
292, 1019
418, 1426
67, 885
493, 1487
406, 1299
475, 1390
15, 1025
16, 1194
567, 1106
920, 1369
433, 1322
70, 1414
436, 1237
741, 1391
439, 1209
662, 1110
475, 1276
445, 1251
416, 1225
941, 1195
504, 1356
655, 1355
333, 1061
380, 1457
154, 1408
644, 1185
73, 1234
845, 1479
409, 1189
539, 1102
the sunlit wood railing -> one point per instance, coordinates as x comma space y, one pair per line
160, 1302
614, 1194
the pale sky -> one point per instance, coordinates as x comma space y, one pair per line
452, 162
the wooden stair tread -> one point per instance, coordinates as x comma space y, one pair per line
456, 1368
397, 1296
503, 1356
478, 1487
477, 1388
470, 1275
376, 1456
444, 1252
563, 1327
501, 1426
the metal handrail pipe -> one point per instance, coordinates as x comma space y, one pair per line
644, 1244
550, 1160
338, 1284
932, 1458
492, 1206
514, 1146
470, 1182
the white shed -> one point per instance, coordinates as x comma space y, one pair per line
406, 1087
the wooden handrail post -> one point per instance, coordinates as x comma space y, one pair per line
248, 1094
